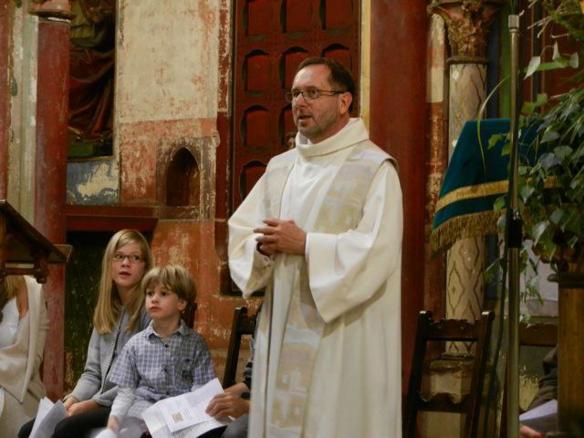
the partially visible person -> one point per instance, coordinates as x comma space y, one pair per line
548, 390
548, 384
118, 316
23, 329
234, 403
167, 359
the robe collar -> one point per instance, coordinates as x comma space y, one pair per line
353, 132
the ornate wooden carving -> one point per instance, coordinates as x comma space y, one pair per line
23, 249
51, 8
468, 23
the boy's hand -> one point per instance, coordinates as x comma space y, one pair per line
113, 423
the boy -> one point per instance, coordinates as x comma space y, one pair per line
168, 358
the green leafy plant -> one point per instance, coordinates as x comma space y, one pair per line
567, 13
551, 188
551, 172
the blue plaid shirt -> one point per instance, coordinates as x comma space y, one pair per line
158, 368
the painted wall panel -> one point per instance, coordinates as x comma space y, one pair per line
92, 182
167, 60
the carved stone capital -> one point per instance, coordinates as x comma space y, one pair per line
51, 9
468, 23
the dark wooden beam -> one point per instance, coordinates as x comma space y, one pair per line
110, 217
24, 250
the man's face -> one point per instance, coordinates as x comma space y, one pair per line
320, 118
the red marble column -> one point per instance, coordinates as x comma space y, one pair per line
399, 124
51, 172
223, 151
5, 32
437, 161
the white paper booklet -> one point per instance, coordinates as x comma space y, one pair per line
183, 416
48, 415
543, 418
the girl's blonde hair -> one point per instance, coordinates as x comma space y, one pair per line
109, 305
8, 288
177, 279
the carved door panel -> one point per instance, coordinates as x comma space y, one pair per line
271, 38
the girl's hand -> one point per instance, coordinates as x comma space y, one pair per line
81, 407
69, 401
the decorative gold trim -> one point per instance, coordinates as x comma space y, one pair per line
481, 190
470, 192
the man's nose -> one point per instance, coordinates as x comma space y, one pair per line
299, 100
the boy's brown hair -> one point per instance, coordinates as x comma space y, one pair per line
176, 279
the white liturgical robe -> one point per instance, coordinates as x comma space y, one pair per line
337, 373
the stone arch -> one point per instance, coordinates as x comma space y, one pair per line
183, 187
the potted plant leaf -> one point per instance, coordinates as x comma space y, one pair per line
551, 202
551, 188
551, 170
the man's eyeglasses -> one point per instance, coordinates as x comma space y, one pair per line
311, 93
132, 258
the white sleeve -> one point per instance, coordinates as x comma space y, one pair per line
250, 270
347, 269
122, 403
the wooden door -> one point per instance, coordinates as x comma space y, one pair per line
271, 38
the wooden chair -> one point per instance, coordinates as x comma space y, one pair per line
538, 335
242, 325
447, 331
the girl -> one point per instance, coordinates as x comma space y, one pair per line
118, 316
168, 358
23, 329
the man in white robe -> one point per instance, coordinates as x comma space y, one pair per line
321, 232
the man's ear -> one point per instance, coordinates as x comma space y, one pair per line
345, 100
182, 304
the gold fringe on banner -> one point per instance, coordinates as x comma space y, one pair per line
463, 227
